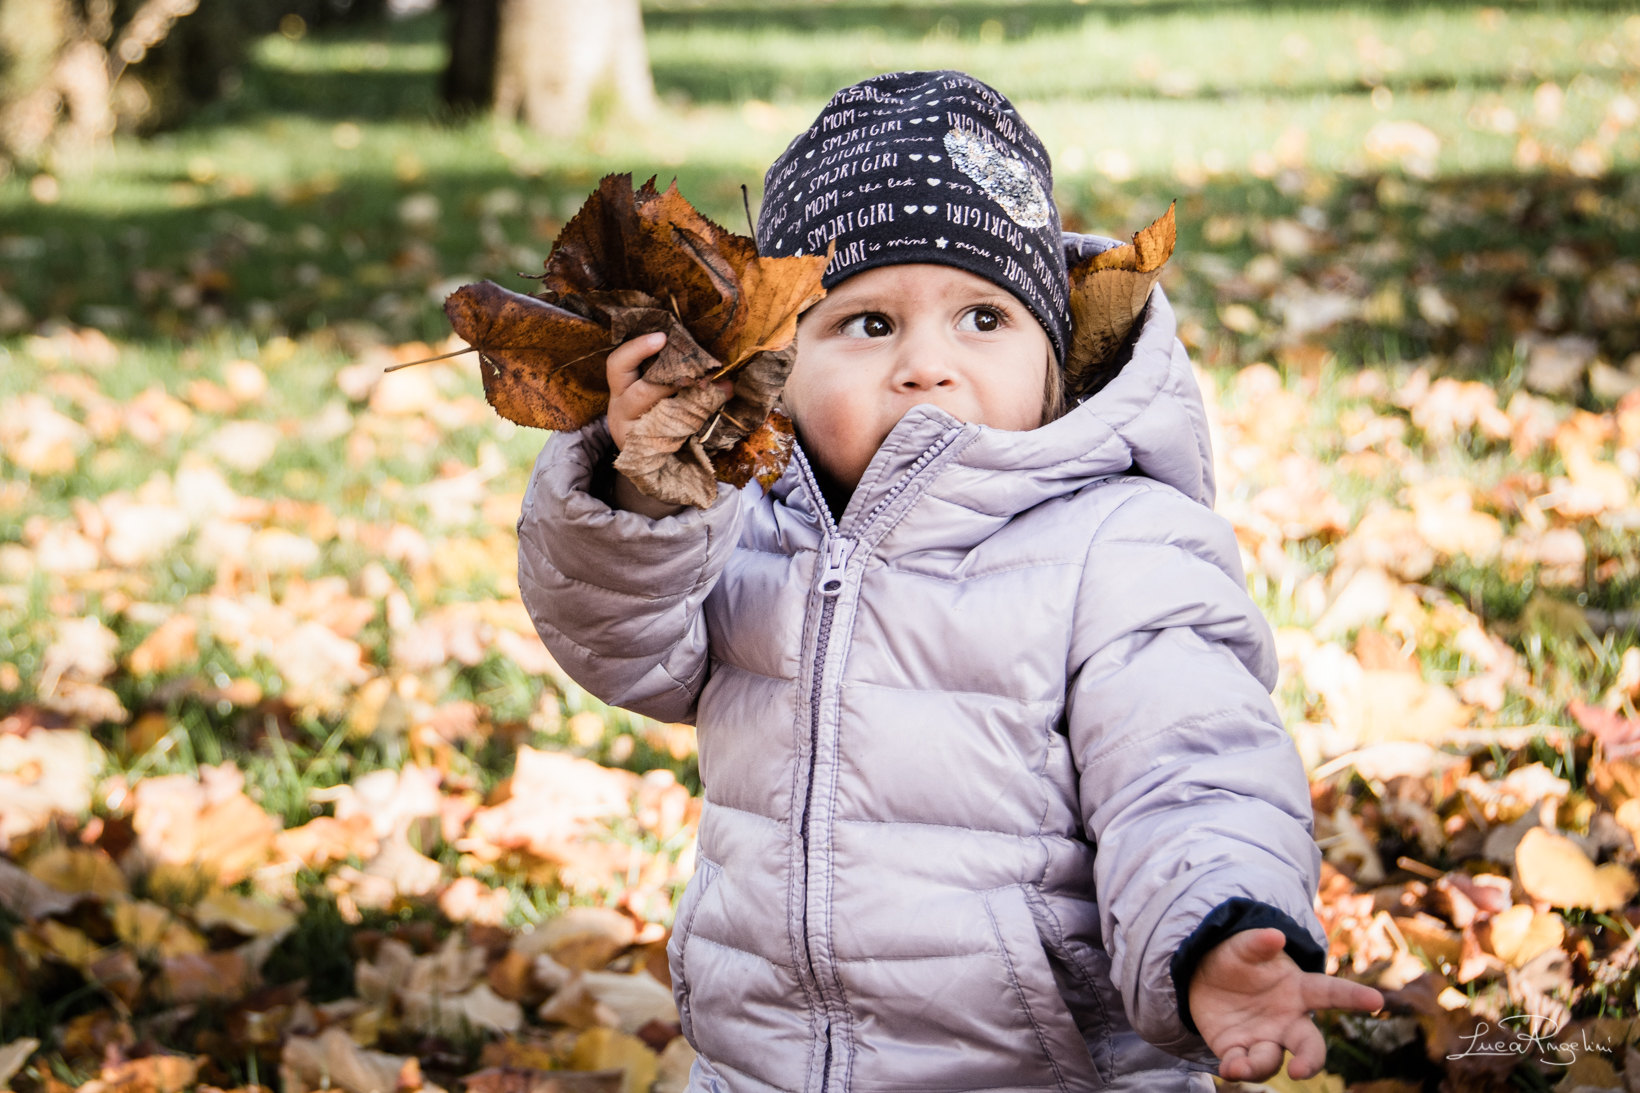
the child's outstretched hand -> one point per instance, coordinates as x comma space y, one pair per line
1251, 1004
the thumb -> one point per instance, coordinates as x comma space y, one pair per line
1257, 946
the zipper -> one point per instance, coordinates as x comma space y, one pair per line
835, 566
908, 477
836, 552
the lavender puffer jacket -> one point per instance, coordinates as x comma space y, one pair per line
977, 757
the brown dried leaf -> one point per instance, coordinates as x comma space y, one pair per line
13, 1056
1554, 869
205, 977
1149, 251
247, 917
207, 825
150, 1074
626, 240
80, 871
1108, 292
116, 971
606, 1049
1619, 736
27, 897
757, 388
775, 292
680, 361
172, 644
325, 839
88, 1037
763, 455
333, 1060
542, 366
664, 457
1520, 934
42, 772
153, 931
580, 939
556, 811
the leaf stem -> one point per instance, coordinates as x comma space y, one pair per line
429, 360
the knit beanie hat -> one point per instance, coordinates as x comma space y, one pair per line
923, 167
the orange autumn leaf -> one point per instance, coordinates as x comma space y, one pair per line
173, 644
1554, 869
150, 1074
325, 839
1109, 290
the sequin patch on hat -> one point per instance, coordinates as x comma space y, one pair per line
1003, 178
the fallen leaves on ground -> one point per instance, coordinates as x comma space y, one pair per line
282, 760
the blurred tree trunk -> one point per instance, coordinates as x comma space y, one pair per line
469, 77
60, 63
542, 60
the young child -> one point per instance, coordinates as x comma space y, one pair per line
996, 797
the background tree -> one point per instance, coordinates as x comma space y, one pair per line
542, 61
73, 71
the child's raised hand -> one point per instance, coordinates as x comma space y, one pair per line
631, 396
1251, 1003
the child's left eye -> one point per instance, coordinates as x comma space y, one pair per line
982, 319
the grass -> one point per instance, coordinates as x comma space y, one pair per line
283, 208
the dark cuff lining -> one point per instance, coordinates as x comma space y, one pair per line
602, 483
1232, 917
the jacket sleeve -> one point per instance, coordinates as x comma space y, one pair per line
1191, 788
615, 596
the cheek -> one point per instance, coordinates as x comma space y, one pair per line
1015, 395
827, 411
836, 414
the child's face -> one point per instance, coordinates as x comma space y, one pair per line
895, 337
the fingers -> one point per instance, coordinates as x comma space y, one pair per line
1252, 1064
1325, 992
625, 360
630, 397
1309, 1051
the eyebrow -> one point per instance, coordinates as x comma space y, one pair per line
866, 301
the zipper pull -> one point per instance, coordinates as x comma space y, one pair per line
837, 556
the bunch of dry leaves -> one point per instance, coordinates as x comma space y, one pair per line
641, 262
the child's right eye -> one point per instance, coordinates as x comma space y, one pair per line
867, 326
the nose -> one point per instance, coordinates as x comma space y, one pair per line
923, 362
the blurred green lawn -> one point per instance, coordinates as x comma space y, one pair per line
330, 188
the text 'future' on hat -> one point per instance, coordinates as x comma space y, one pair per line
923, 167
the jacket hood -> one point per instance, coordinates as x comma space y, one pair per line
1149, 420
